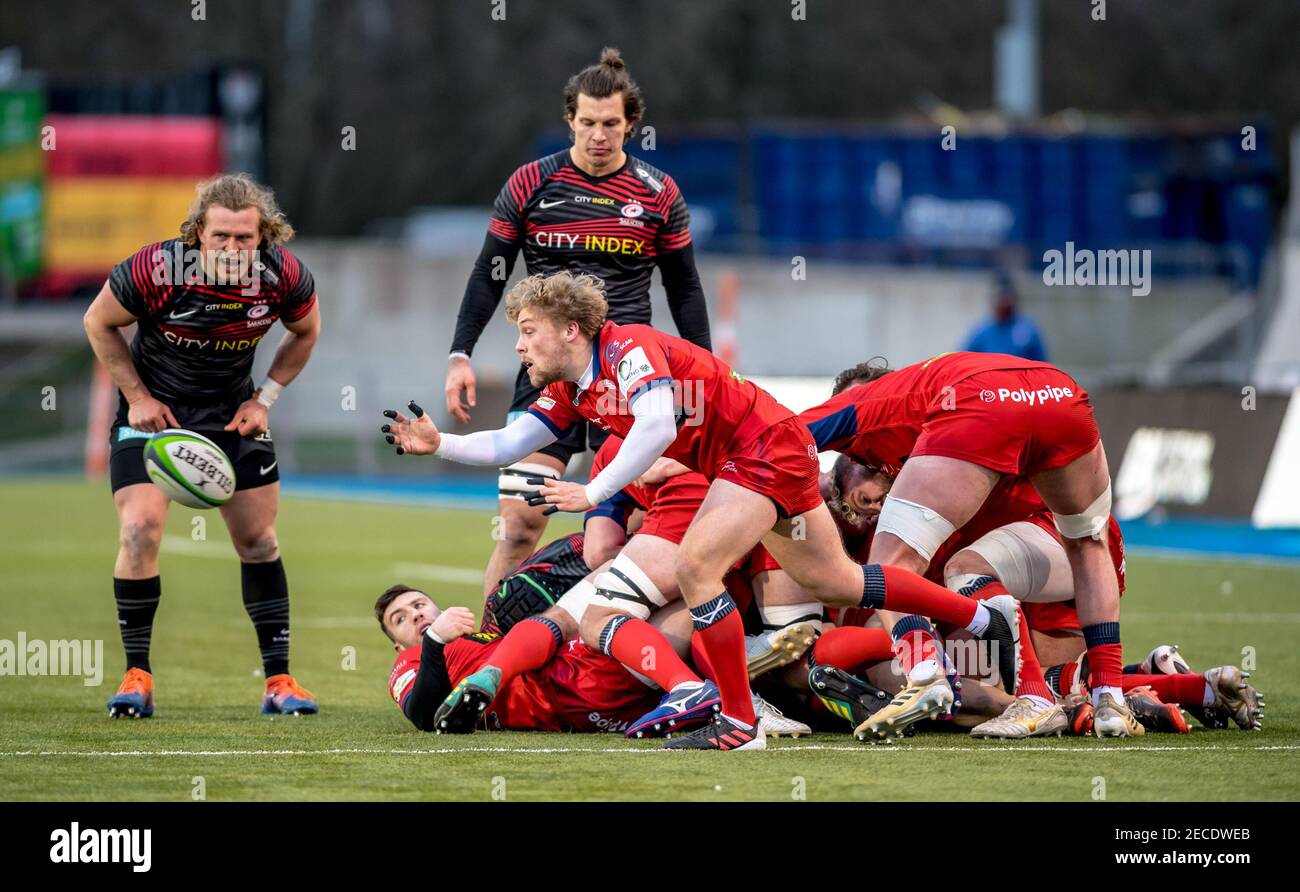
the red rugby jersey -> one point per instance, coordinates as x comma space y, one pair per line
879, 422
718, 411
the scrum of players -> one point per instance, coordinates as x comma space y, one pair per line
924, 582
958, 568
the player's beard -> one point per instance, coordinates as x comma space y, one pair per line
540, 377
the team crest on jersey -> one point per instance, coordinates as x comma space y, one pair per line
258, 311
615, 349
633, 210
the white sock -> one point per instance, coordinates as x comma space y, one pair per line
785, 614
744, 726
924, 670
980, 622
1040, 702
1207, 699
1117, 694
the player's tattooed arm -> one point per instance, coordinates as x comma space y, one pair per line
103, 322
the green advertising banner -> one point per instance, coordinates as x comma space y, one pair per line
22, 172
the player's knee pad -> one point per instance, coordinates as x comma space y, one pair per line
1018, 555
511, 484
577, 599
922, 528
1091, 524
626, 588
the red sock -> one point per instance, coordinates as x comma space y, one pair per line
914, 643
528, 646
722, 639
700, 658
903, 591
1105, 656
1064, 677
850, 647
642, 648
990, 589
1185, 690
1032, 682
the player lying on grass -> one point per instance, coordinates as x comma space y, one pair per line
438, 652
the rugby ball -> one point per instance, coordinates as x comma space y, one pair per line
191, 469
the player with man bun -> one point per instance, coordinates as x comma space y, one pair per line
590, 208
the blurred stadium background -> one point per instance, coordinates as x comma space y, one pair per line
835, 217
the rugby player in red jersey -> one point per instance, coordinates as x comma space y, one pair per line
438, 651
666, 396
963, 422
590, 208
201, 304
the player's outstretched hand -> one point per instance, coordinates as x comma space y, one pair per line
460, 377
453, 622
249, 420
418, 435
560, 495
150, 415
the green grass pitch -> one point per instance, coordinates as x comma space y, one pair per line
57, 541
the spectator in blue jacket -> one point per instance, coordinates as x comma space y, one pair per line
1008, 330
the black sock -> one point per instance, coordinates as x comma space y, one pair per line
266, 598
137, 600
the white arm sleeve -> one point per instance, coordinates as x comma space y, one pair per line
653, 430
524, 435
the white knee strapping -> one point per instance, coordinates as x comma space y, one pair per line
1021, 557
1091, 524
577, 599
626, 588
511, 485
922, 528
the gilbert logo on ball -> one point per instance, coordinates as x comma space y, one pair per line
189, 468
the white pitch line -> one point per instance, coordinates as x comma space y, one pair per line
440, 573
899, 748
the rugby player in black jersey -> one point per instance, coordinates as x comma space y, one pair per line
591, 208
202, 303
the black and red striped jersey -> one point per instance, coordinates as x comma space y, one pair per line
195, 340
613, 226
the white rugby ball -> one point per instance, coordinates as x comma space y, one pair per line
191, 469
